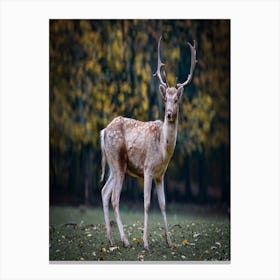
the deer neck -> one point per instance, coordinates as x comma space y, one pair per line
169, 135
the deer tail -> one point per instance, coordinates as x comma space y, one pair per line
103, 160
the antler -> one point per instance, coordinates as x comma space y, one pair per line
193, 63
160, 64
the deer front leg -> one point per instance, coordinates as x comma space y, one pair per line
147, 199
161, 201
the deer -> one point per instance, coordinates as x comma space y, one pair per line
142, 150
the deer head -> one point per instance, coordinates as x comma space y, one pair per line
171, 95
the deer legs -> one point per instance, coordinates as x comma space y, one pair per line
147, 200
112, 189
106, 194
115, 203
161, 201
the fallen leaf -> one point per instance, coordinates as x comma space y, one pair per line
185, 242
103, 250
137, 240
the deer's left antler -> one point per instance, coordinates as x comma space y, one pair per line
193, 63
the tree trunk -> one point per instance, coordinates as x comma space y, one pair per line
187, 180
166, 189
202, 196
88, 174
225, 174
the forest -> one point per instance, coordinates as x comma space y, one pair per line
100, 69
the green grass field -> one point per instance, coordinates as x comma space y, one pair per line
78, 234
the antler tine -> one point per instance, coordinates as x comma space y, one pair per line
193, 63
160, 64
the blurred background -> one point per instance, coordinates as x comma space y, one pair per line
100, 69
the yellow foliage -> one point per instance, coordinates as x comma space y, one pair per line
176, 53
125, 87
138, 64
88, 126
118, 65
121, 97
112, 89
97, 69
85, 25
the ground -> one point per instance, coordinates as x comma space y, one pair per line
78, 234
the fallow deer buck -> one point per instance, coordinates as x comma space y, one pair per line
142, 149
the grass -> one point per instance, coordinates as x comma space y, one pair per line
78, 234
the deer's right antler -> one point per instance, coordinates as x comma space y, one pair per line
160, 64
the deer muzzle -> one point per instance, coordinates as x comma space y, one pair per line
171, 116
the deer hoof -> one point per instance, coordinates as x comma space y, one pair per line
172, 245
146, 248
125, 243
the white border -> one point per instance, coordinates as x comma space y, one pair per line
254, 138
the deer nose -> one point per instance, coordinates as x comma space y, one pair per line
169, 115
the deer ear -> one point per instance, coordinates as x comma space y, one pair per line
162, 90
180, 91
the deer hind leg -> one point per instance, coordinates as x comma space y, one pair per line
161, 201
106, 195
118, 162
115, 203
